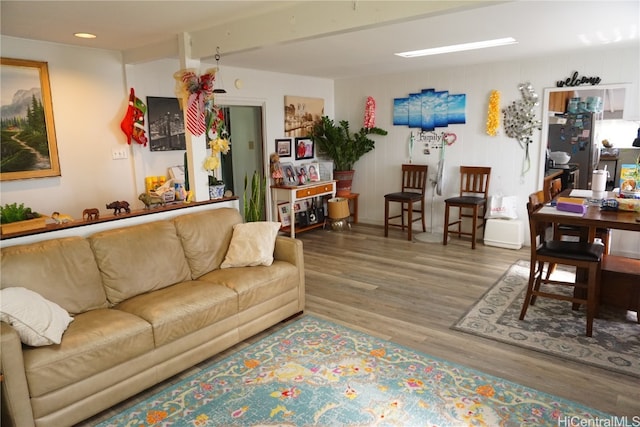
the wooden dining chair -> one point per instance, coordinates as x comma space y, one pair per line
474, 188
555, 188
581, 255
414, 185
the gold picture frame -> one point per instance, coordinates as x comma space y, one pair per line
28, 143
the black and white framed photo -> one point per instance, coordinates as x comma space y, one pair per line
166, 124
304, 148
283, 147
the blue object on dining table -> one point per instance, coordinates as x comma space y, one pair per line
609, 205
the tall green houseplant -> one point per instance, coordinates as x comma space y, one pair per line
340, 145
253, 198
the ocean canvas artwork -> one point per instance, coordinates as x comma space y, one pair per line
401, 112
415, 110
430, 109
428, 117
457, 106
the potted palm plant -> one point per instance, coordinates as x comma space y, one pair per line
337, 142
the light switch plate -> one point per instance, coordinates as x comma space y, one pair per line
119, 153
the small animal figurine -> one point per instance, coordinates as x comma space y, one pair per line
61, 218
117, 207
90, 214
149, 200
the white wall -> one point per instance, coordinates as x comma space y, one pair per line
90, 90
378, 172
87, 91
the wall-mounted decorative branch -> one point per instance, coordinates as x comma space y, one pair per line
520, 120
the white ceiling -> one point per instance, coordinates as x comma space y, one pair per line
351, 46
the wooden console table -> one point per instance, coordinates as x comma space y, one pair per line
294, 194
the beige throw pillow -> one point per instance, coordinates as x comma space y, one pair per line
37, 320
251, 244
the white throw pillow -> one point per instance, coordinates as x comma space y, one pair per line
38, 321
251, 244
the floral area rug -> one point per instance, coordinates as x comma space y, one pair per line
316, 373
552, 327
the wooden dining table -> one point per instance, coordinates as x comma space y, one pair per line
594, 218
620, 281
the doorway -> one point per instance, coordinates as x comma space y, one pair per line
246, 148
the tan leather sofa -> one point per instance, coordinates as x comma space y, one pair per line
148, 301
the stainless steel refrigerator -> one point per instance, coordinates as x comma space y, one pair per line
577, 137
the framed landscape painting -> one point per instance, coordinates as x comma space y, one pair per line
28, 139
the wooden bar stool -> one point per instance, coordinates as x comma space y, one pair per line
414, 185
474, 186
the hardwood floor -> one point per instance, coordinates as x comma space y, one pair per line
412, 292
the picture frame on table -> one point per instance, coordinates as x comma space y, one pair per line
284, 214
303, 175
313, 169
289, 174
283, 147
304, 148
29, 147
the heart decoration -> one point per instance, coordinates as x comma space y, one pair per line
449, 138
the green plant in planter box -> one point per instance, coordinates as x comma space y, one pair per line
13, 213
340, 145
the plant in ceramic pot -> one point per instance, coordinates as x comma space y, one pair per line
337, 142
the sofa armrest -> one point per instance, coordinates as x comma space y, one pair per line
16, 405
290, 250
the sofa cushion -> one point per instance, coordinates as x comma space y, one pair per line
95, 341
139, 259
63, 271
205, 237
37, 320
256, 284
251, 244
181, 309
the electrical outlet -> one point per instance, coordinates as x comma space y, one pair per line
119, 153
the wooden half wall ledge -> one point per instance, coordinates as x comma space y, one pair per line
108, 220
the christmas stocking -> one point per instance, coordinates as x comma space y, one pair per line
127, 122
139, 110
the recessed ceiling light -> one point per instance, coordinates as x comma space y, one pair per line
458, 47
85, 35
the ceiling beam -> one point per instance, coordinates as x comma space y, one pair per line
313, 19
